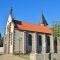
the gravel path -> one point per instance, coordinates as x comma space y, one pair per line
10, 57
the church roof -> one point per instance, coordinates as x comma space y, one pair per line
32, 27
43, 20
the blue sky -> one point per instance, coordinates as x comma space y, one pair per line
29, 11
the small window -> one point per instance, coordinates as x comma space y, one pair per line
30, 39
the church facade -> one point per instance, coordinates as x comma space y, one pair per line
24, 37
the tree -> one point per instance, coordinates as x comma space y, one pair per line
56, 28
56, 32
1, 40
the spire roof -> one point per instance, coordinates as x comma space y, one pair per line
11, 14
11, 11
43, 20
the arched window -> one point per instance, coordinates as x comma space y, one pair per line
55, 45
47, 44
30, 39
48, 40
39, 44
40, 40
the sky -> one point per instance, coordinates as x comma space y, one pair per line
29, 11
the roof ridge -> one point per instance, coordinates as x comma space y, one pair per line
30, 23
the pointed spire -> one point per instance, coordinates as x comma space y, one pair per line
43, 20
11, 11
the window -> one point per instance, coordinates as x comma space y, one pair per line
40, 40
30, 39
48, 40
47, 44
55, 44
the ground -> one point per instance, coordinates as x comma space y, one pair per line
10, 57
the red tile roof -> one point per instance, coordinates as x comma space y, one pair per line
32, 27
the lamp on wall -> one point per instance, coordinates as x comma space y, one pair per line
19, 38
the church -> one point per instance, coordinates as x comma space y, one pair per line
25, 37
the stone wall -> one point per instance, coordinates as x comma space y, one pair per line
39, 56
24, 46
1, 49
18, 33
55, 56
46, 56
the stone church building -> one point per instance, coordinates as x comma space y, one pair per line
31, 38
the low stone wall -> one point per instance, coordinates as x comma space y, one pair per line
47, 56
55, 56
1, 49
39, 56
